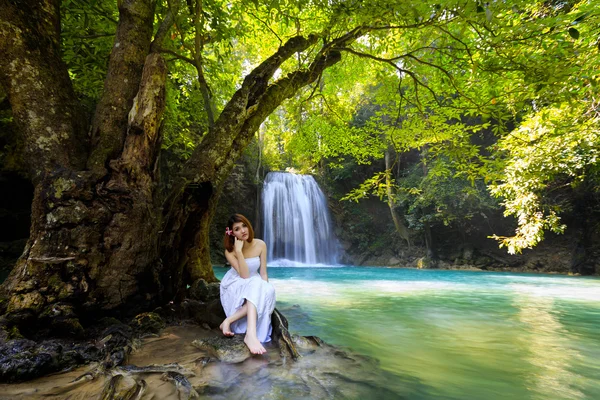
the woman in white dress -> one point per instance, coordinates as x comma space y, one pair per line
246, 294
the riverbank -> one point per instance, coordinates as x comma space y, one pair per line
322, 371
556, 255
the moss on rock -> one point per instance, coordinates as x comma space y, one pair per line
148, 322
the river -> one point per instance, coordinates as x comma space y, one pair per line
454, 334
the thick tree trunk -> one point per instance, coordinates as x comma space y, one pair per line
93, 245
132, 44
37, 83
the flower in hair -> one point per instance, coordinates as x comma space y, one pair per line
228, 231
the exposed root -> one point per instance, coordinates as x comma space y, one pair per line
149, 369
79, 381
123, 384
284, 339
184, 387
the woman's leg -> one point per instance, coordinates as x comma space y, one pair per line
226, 324
251, 339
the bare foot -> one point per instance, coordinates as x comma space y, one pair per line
254, 345
225, 328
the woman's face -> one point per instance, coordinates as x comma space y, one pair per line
240, 230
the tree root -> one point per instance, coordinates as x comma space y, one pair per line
123, 383
184, 387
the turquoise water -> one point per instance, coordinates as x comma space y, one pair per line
454, 334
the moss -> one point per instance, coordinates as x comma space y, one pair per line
62, 185
27, 301
148, 322
66, 292
55, 282
13, 333
69, 327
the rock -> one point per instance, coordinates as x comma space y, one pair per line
307, 342
468, 253
282, 337
203, 291
67, 327
393, 261
147, 323
8, 332
182, 385
425, 263
226, 349
214, 313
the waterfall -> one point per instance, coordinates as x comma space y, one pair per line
296, 223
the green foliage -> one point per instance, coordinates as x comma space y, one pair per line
498, 93
184, 124
88, 29
526, 72
551, 147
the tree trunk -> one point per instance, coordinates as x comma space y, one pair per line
93, 246
39, 90
402, 230
93, 242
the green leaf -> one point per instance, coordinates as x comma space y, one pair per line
574, 33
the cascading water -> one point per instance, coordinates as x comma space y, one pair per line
296, 223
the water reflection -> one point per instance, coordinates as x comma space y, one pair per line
462, 335
548, 350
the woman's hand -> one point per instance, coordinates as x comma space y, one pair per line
238, 245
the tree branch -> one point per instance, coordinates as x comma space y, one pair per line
268, 27
162, 31
198, 49
176, 55
132, 45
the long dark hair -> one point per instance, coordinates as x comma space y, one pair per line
229, 239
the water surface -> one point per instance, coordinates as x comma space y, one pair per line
454, 334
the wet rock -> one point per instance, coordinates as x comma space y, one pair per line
147, 323
226, 349
307, 342
282, 337
23, 359
183, 386
203, 291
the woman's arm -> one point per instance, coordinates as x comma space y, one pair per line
237, 260
263, 262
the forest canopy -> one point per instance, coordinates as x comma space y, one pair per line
430, 77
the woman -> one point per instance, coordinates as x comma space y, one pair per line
246, 294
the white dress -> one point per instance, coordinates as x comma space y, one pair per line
235, 290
